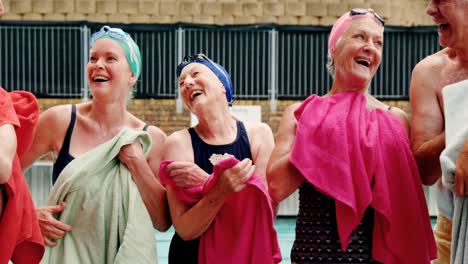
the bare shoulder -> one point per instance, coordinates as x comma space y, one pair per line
398, 112
288, 120
180, 136
158, 137
53, 124
50, 132
427, 81
432, 64
402, 116
259, 133
178, 146
156, 133
57, 115
258, 128
288, 111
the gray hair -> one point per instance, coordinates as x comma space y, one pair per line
331, 65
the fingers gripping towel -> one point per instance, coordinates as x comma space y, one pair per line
456, 134
242, 231
109, 219
362, 158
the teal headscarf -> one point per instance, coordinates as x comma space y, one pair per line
131, 49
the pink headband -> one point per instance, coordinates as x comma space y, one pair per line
342, 24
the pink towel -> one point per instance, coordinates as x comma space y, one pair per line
243, 230
362, 158
20, 236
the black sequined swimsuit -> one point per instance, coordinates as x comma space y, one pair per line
317, 238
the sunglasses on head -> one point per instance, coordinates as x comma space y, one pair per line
116, 33
362, 11
191, 58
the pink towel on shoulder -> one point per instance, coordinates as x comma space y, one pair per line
362, 158
243, 230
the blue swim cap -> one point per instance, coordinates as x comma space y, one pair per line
216, 68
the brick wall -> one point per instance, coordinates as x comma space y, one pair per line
297, 12
162, 112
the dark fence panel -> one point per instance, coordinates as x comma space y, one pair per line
403, 49
49, 59
243, 52
303, 57
44, 60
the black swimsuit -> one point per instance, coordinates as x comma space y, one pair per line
186, 252
64, 156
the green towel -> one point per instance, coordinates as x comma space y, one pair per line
109, 219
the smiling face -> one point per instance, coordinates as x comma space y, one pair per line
451, 19
358, 53
108, 71
199, 86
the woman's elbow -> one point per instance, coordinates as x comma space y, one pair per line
161, 226
429, 179
187, 236
276, 192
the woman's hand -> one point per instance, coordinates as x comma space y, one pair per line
51, 228
233, 179
461, 172
131, 153
186, 174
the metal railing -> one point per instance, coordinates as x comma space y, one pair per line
265, 61
47, 61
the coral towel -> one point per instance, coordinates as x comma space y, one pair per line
362, 158
242, 231
20, 236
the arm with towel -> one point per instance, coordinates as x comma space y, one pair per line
144, 172
226, 240
283, 177
452, 161
192, 219
109, 218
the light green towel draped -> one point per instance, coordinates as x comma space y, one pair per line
109, 219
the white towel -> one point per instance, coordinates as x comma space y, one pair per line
456, 133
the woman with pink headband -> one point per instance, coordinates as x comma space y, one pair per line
360, 197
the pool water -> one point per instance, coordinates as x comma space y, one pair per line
285, 226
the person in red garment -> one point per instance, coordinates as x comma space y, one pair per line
20, 235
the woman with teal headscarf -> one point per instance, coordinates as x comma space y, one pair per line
75, 131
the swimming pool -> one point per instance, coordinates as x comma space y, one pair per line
285, 226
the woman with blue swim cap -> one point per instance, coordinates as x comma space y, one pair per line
214, 215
